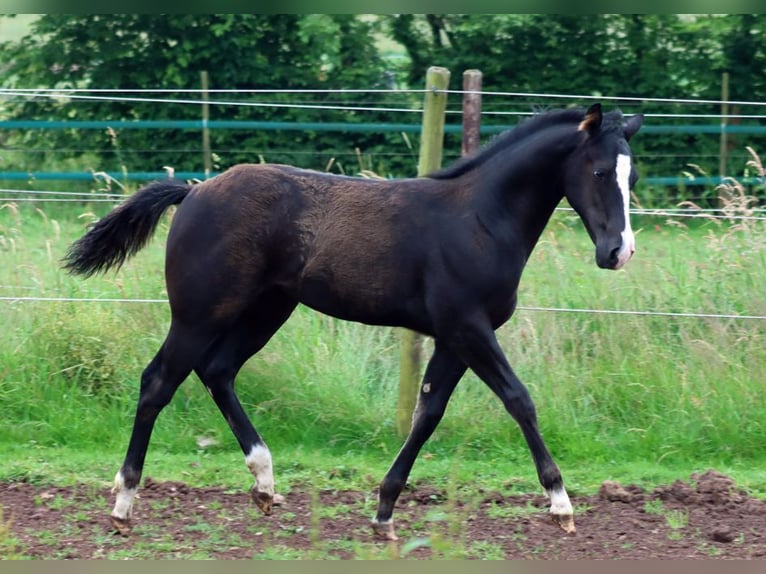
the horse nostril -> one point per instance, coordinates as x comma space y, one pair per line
614, 254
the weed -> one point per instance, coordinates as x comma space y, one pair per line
496, 510
79, 516
288, 530
201, 526
159, 505
278, 552
654, 506
484, 550
333, 511
712, 551
675, 535
9, 545
677, 519
413, 544
59, 502
48, 537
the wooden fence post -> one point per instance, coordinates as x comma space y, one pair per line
431, 144
724, 144
471, 111
206, 155
724, 191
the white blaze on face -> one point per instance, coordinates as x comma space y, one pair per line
259, 463
623, 182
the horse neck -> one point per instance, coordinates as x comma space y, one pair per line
526, 183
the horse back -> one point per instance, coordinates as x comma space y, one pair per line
350, 247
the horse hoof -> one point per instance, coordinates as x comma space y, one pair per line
121, 526
263, 500
565, 522
384, 530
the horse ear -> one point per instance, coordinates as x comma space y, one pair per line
632, 125
592, 120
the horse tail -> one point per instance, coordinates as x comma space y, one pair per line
125, 230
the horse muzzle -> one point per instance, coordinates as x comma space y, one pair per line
611, 256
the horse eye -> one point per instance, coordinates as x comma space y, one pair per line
599, 173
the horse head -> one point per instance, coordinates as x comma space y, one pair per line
599, 177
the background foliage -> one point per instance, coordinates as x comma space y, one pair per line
629, 55
239, 51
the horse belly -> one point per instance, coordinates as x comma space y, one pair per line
365, 298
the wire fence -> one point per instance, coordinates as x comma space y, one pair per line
698, 187
109, 95
408, 102
530, 101
637, 313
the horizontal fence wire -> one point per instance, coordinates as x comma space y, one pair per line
109, 95
694, 315
327, 126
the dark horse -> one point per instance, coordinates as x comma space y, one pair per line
441, 255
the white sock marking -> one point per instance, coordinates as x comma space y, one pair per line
560, 504
259, 463
123, 507
623, 179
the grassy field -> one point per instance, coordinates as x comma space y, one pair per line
633, 397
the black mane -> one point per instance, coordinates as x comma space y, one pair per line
516, 134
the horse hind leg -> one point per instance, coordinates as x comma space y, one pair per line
218, 370
159, 381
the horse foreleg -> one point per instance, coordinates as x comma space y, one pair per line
442, 375
481, 351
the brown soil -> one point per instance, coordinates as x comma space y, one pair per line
704, 517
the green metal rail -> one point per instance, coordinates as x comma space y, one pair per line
184, 175
316, 126
328, 126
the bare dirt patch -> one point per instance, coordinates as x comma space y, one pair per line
706, 516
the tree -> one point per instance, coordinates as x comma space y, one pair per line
239, 51
629, 55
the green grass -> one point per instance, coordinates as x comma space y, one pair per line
624, 397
